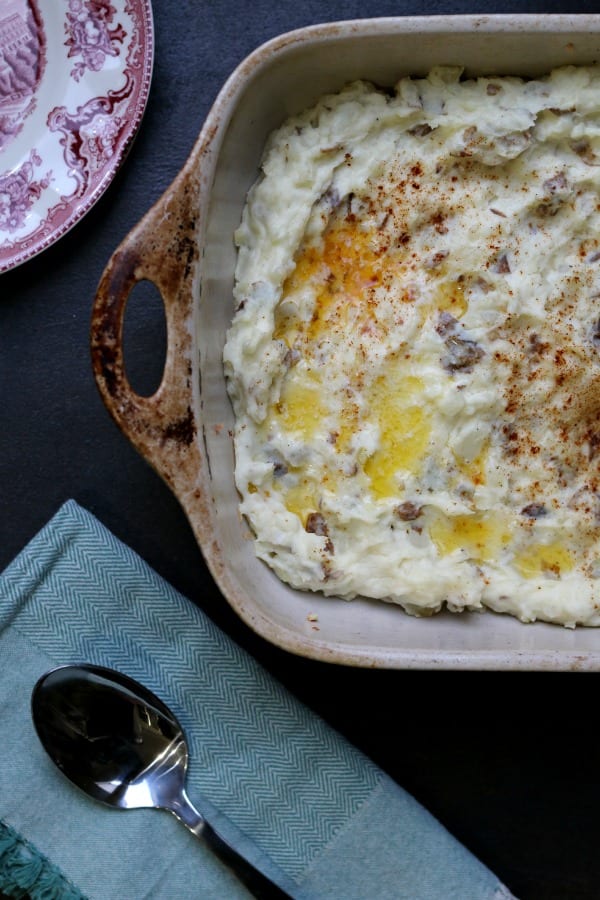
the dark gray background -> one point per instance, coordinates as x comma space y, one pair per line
507, 761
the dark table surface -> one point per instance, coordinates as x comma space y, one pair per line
507, 761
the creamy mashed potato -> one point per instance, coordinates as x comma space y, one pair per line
414, 360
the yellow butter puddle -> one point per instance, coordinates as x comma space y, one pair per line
481, 536
302, 499
396, 406
341, 269
553, 559
484, 537
301, 407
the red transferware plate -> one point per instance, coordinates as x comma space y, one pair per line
74, 82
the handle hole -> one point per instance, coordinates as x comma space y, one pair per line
144, 338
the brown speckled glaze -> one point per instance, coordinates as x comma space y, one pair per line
163, 249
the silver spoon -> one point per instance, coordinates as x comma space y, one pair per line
119, 743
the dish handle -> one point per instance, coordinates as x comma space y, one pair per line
163, 249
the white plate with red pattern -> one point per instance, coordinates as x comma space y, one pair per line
74, 82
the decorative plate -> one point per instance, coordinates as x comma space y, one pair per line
74, 81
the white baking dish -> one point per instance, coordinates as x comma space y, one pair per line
184, 245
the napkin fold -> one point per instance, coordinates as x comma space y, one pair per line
290, 793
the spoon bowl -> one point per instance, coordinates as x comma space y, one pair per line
118, 742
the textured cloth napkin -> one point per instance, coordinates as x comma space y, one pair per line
289, 792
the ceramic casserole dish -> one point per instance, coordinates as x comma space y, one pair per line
184, 245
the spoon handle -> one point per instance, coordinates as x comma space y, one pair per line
257, 883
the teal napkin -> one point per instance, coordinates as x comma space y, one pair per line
308, 808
